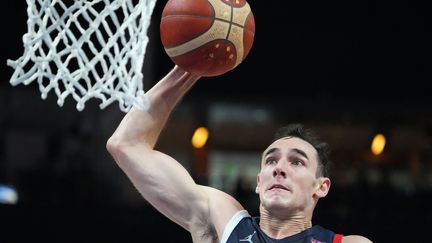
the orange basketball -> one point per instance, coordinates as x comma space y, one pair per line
207, 37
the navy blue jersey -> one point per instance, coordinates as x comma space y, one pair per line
243, 228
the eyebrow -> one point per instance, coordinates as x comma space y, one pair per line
301, 152
270, 151
298, 151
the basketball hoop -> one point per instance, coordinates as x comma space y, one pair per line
86, 49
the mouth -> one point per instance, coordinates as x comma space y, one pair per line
278, 186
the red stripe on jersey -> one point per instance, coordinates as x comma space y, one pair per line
337, 238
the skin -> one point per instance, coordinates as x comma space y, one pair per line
205, 211
288, 187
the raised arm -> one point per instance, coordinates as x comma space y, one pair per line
159, 178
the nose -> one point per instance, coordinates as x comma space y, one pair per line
279, 171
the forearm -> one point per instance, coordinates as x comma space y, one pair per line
144, 127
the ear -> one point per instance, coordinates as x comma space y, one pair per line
258, 183
322, 187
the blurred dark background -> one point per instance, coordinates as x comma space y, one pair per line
347, 69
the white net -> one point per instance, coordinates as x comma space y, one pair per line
86, 49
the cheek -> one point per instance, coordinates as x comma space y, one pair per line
264, 175
304, 181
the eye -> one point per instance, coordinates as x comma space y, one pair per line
297, 162
271, 161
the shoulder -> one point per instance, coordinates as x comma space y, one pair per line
355, 239
222, 201
222, 208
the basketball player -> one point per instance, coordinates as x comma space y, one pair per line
291, 181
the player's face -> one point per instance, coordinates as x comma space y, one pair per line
287, 179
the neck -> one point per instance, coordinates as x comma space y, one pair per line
278, 228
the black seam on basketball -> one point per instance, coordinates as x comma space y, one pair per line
230, 23
248, 16
206, 17
191, 50
226, 38
188, 15
196, 36
192, 15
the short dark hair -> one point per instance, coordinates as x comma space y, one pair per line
323, 149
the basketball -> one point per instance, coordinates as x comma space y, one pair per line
207, 37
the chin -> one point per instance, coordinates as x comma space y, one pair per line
277, 204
